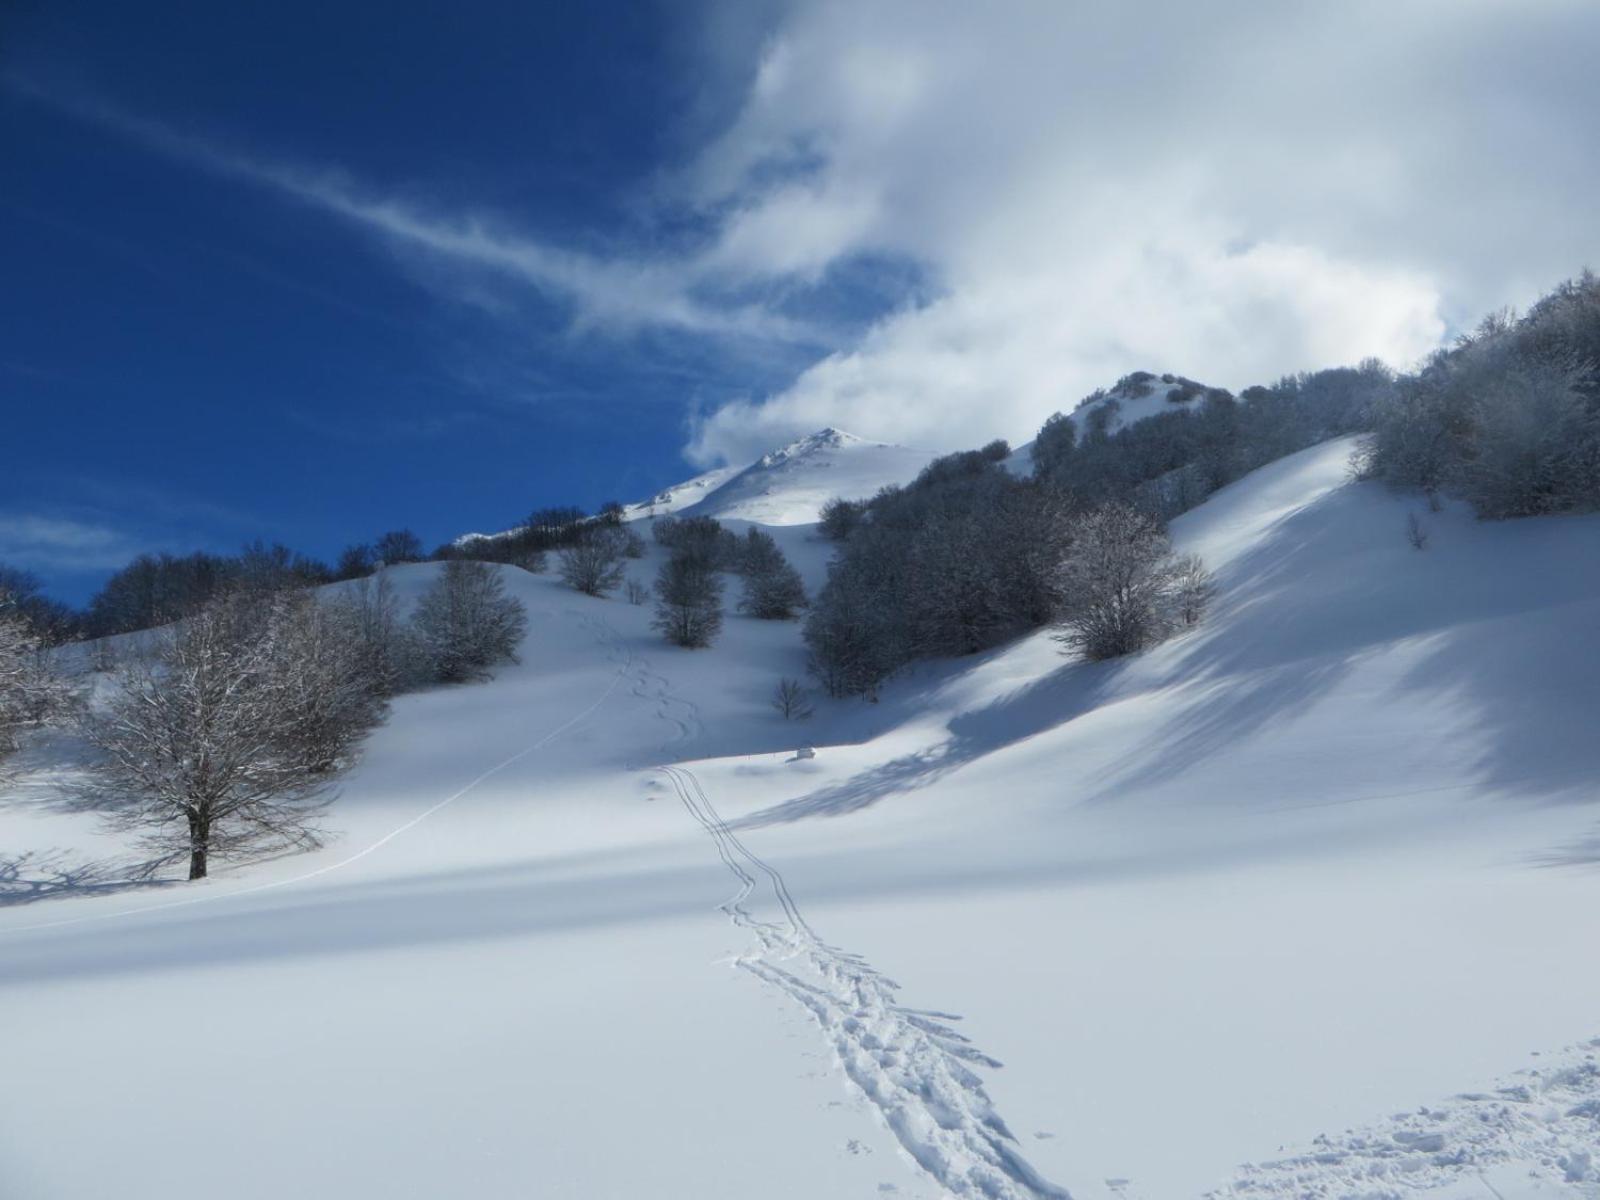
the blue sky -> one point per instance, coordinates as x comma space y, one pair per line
312, 271
189, 358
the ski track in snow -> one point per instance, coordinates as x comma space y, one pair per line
1540, 1131
918, 1072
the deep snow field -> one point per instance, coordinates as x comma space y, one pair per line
1314, 887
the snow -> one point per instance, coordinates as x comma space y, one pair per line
1131, 401
680, 496
1136, 400
785, 488
790, 486
1306, 888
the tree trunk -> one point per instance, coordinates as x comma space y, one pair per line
199, 843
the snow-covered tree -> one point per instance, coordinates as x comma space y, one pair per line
467, 623
328, 681
390, 655
594, 563
855, 634
688, 601
1122, 590
1534, 446
32, 691
839, 518
702, 539
198, 747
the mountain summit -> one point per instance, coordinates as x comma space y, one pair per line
789, 486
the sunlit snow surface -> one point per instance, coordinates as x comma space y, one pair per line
1315, 888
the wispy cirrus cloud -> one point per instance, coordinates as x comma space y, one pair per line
625, 294
39, 541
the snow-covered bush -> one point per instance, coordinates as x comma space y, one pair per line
467, 623
1122, 589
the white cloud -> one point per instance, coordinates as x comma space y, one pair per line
1233, 191
63, 543
615, 295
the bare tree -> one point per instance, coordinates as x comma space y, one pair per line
593, 564
197, 746
355, 561
688, 602
790, 699
1415, 533
467, 623
398, 546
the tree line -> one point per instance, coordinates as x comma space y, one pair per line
157, 588
1508, 418
969, 555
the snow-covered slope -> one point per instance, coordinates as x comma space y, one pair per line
790, 486
1137, 396
1326, 864
683, 495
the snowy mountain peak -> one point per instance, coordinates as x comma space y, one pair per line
790, 485
787, 486
813, 443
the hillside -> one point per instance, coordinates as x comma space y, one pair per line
1325, 863
790, 486
785, 487
1132, 399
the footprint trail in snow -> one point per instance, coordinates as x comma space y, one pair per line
919, 1074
